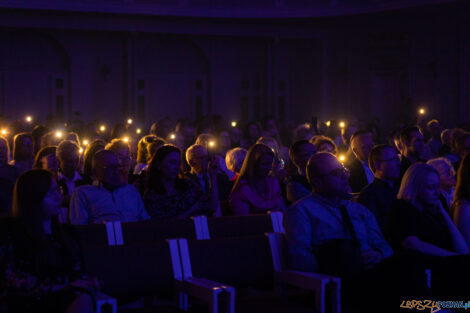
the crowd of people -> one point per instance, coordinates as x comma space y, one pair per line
356, 204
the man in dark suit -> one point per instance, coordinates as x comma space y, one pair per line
361, 175
379, 195
412, 142
198, 159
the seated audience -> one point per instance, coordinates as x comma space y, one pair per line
297, 186
447, 181
255, 191
446, 139
199, 163
46, 159
412, 142
234, 161
109, 198
419, 227
358, 164
379, 195
44, 268
168, 196
23, 153
434, 143
460, 209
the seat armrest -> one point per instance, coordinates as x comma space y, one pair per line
208, 291
326, 288
103, 299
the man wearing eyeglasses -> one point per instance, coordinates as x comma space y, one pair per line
379, 195
109, 198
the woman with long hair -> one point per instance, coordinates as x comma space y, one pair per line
419, 227
44, 271
90, 151
460, 209
255, 191
46, 159
169, 196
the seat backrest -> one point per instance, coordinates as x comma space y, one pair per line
93, 234
157, 230
237, 261
133, 269
237, 226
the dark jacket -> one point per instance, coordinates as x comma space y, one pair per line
357, 177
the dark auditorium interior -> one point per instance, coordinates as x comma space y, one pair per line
234, 156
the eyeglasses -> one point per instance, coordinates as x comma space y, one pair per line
341, 172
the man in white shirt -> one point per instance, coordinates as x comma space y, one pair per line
108, 199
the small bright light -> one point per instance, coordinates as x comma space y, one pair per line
126, 139
211, 143
138, 130
85, 142
342, 158
172, 136
328, 123
59, 134
102, 128
342, 124
234, 124
422, 111
81, 150
29, 119
4, 131
129, 121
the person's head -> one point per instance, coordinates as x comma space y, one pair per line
4, 151
142, 155
118, 131
324, 144
36, 197
446, 137
50, 139
396, 141
258, 163
270, 127
68, 154
462, 143
327, 176
434, 128
234, 159
446, 172
90, 151
204, 140
73, 136
347, 132
270, 142
38, 132
106, 168
162, 128
412, 141
153, 146
23, 147
300, 152
303, 132
252, 131
224, 141
420, 186
361, 144
165, 165
198, 158
46, 159
462, 188
123, 153
385, 163
235, 136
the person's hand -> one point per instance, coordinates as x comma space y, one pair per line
371, 257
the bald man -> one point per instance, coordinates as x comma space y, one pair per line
109, 198
358, 164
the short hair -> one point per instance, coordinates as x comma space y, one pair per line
67, 146
50, 139
203, 139
90, 152
233, 155
415, 177
358, 133
117, 144
142, 148
438, 164
405, 134
295, 148
433, 121
192, 149
319, 140
303, 132
18, 140
44, 151
375, 153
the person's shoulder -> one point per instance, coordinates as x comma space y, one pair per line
302, 204
86, 188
